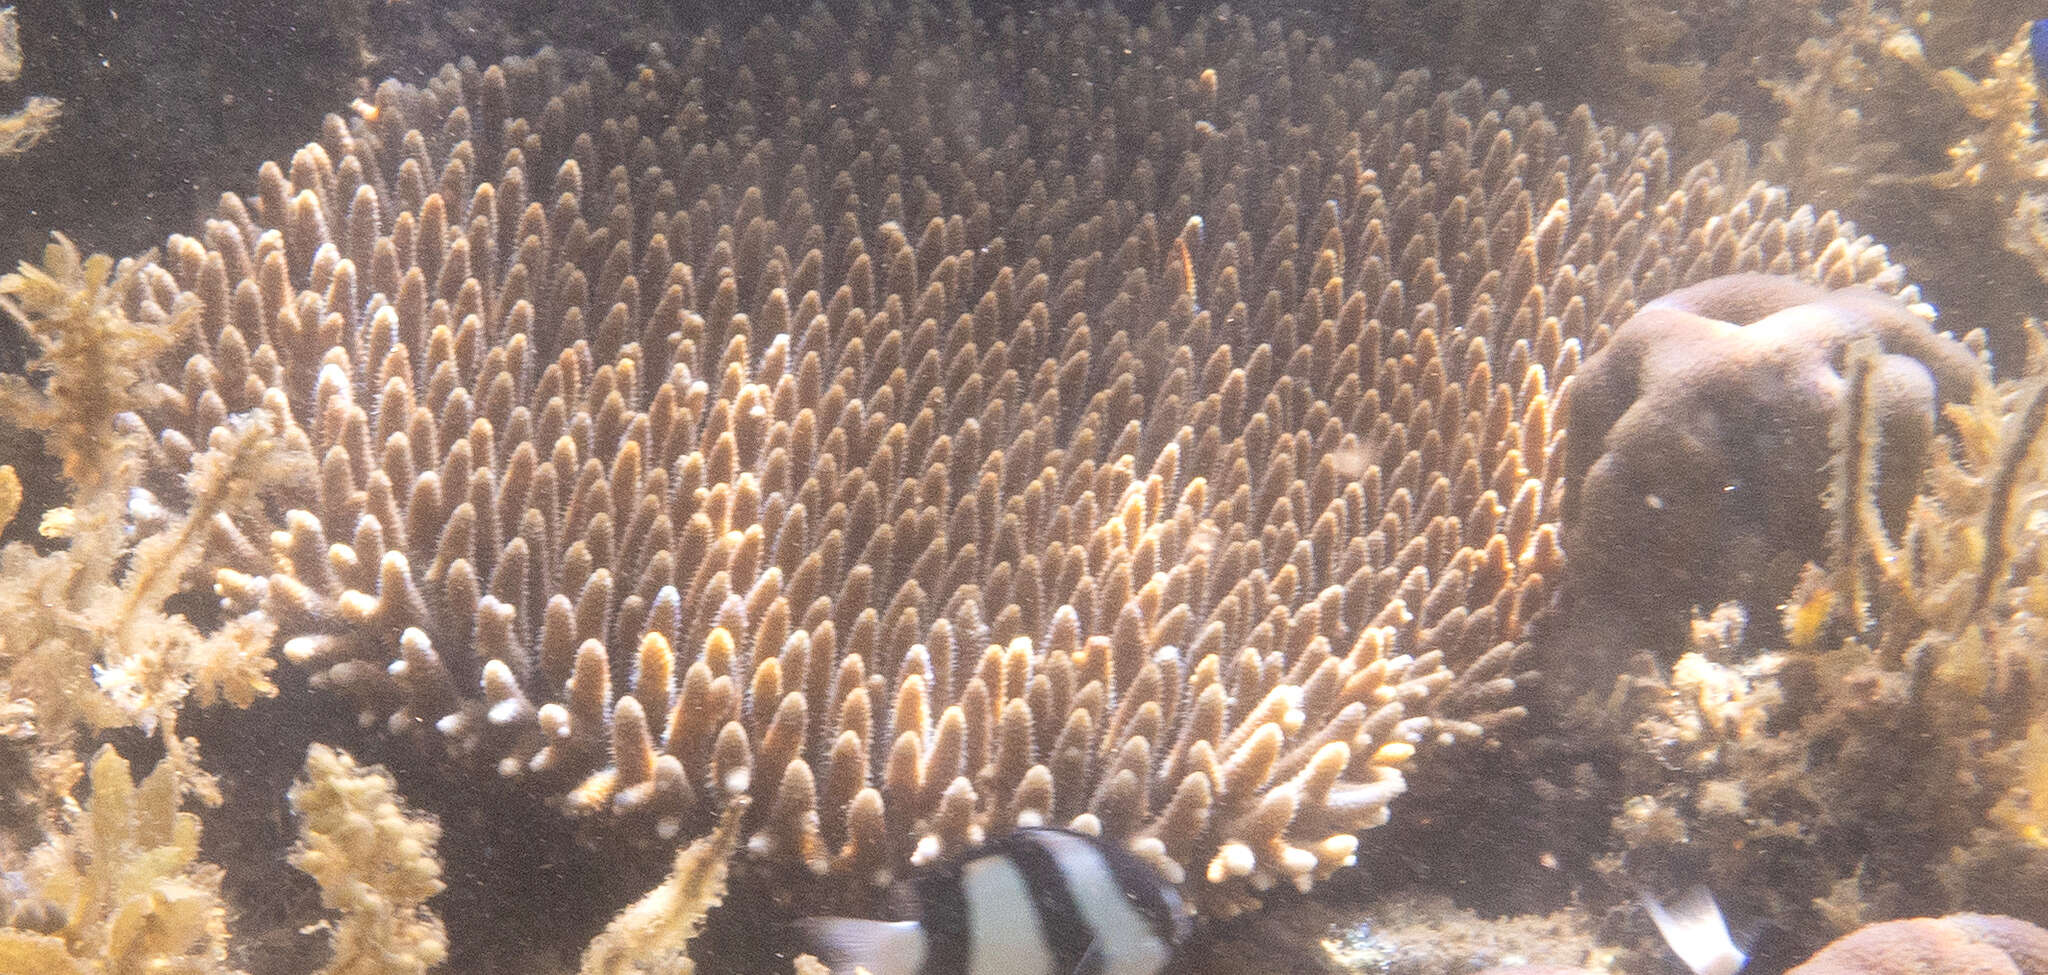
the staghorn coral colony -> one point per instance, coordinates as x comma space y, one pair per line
830, 446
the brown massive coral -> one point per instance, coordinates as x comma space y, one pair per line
926, 425
1956, 943
1890, 762
1701, 445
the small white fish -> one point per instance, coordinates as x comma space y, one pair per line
1035, 902
1697, 933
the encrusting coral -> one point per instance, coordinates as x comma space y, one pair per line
375, 863
1881, 757
1168, 447
1700, 445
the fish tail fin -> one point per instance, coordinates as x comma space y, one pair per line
1697, 933
879, 947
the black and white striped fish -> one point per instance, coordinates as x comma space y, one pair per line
1035, 902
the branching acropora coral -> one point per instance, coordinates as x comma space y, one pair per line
375, 863
926, 426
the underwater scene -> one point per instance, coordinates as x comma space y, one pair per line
955, 487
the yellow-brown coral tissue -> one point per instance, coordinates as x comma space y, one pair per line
631, 482
10, 495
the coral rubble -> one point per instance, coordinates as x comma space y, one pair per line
1433, 936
